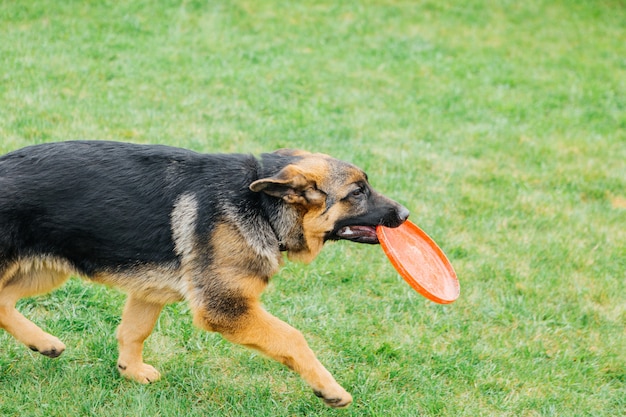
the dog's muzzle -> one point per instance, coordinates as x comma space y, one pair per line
366, 233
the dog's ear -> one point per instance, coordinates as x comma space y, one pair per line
290, 184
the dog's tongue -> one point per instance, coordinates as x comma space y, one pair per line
361, 234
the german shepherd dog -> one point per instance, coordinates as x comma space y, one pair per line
166, 225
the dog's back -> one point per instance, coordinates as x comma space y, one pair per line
107, 204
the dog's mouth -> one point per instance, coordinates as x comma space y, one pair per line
360, 234
362, 229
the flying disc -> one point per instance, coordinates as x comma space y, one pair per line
419, 260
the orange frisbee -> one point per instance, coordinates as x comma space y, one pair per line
419, 260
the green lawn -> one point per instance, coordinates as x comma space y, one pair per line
500, 124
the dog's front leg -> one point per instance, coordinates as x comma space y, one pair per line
261, 331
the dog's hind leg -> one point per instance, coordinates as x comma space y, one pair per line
259, 330
138, 320
25, 280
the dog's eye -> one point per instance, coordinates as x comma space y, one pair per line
358, 192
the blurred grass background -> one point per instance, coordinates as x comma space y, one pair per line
500, 124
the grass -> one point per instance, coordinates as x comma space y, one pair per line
502, 125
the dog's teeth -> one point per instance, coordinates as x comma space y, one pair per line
348, 231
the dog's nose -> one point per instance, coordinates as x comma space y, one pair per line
403, 213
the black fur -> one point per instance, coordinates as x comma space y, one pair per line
106, 205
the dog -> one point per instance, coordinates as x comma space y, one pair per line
166, 225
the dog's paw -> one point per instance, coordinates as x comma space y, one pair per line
337, 399
142, 373
50, 346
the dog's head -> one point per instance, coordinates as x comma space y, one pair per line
333, 200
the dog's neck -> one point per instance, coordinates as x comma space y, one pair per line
285, 221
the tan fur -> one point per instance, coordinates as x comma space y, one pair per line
274, 338
230, 275
138, 320
26, 278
